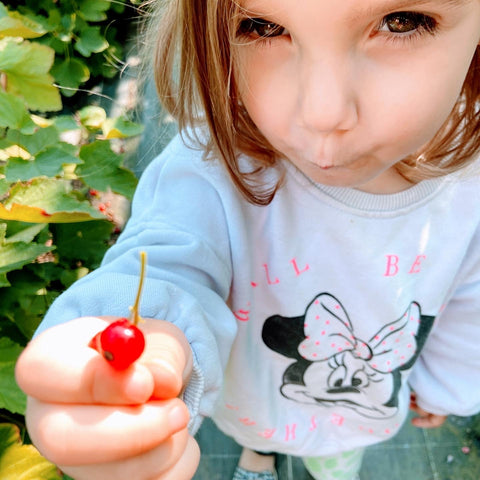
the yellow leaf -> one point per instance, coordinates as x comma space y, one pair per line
22, 462
26, 213
14, 151
42, 121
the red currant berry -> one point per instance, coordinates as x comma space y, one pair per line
121, 343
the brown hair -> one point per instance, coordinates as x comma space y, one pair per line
193, 71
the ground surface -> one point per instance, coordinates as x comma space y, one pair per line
451, 452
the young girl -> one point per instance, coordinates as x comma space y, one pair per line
313, 239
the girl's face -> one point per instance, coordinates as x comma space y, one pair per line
345, 89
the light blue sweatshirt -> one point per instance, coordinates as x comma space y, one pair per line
308, 318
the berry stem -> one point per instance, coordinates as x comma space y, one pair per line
135, 316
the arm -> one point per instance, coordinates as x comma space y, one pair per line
445, 376
178, 219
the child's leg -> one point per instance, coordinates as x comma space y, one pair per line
344, 466
256, 461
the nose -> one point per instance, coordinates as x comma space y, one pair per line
326, 96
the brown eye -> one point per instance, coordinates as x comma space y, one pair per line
405, 22
260, 27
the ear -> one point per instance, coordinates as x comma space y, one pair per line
284, 334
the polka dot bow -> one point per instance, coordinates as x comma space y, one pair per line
329, 332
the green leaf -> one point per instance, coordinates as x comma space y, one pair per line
121, 128
4, 187
24, 303
65, 123
91, 41
46, 200
70, 73
11, 397
12, 24
26, 67
23, 232
14, 255
26, 300
93, 10
36, 142
102, 169
62, 151
48, 163
13, 112
22, 462
84, 242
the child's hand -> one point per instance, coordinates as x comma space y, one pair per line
97, 423
425, 419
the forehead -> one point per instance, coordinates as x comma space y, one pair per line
369, 5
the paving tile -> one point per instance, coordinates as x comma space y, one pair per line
213, 442
397, 463
452, 464
413, 454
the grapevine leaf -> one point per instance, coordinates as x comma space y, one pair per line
13, 112
91, 41
22, 462
102, 169
11, 397
26, 67
45, 200
70, 73
13, 24
121, 128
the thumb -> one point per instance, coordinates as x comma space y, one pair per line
72, 372
168, 357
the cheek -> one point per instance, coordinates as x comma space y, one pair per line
421, 98
408, 111
265, 94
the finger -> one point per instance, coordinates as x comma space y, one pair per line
168, 357
185, 468
144, 466
429, 421
88, 434
75, 372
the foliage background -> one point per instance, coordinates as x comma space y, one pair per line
62, 176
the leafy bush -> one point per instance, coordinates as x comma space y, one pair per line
85, 36
63, 188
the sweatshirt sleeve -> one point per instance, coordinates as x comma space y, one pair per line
178, 219
446, 376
